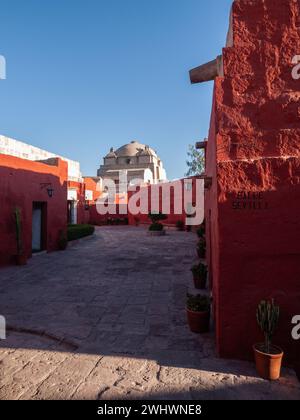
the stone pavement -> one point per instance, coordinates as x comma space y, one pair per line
106, 320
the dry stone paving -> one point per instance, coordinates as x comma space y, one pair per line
106, 320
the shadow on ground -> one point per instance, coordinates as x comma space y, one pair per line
106, 319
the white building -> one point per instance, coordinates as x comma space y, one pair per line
137, 160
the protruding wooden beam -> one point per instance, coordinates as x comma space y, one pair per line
200, 145
208, 71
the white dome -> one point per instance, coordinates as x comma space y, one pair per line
134, 148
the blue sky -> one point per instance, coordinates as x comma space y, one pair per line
85, 75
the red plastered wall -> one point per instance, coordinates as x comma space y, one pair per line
254, 158
23, 182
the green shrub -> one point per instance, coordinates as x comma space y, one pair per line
79, 231
201, 231
201, 248
180, 225
198, 303
156, 227
157, 217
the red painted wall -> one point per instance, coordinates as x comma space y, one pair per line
254, 148
20, 185
91, 185
172, 218
97, 219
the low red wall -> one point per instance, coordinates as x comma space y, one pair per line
97, 219
142, 217
21, 184
158, 191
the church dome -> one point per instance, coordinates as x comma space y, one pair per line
134, 148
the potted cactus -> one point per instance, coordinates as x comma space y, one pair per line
200, 275
267, 356
198, 313
21, 258
201, 248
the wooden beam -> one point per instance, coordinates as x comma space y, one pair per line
208, 71
200, 145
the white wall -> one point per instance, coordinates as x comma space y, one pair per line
22, 150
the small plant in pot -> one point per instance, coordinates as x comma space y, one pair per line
21, 258
180, 225
198, 313
268, 357
156, 218
200, 275
156, 227
201, 248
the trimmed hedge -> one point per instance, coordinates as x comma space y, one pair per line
79, 231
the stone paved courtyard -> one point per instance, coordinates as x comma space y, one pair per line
106, 320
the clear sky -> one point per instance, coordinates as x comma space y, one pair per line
87, 75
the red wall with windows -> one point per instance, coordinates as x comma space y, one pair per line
23, 182
253, 156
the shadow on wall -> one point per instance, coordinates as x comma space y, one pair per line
24, 188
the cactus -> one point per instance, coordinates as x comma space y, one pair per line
17, 214
198, 303
200, 270
267, 317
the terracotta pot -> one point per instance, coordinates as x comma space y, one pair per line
201, 254
268, 366
21, 259
157, 233
198, 321
199, 282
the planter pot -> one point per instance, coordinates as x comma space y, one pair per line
198, 321
268, 366
201, 254
199, 282
157, 233
21, 259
